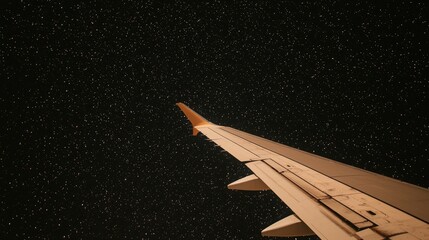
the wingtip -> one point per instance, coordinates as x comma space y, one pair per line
195, 118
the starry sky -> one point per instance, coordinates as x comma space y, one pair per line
92, 145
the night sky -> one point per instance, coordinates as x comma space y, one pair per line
92, 145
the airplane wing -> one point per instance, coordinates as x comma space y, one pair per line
329, 199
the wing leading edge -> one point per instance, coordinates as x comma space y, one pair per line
329, 199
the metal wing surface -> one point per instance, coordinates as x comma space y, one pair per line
329, 199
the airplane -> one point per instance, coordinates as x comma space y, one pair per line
329, 199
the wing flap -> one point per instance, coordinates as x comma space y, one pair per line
309, 210
350, 216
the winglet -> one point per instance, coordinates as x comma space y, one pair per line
193, 117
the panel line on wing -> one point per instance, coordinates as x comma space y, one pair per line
236, 150
232, 141
248, 149
349, 216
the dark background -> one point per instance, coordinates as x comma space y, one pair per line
92, 145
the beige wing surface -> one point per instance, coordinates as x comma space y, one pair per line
329, 199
